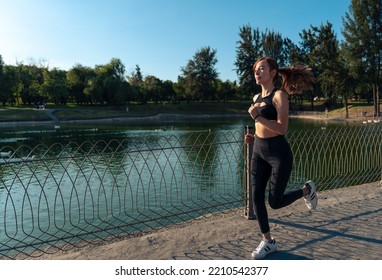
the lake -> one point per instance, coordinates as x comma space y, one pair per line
32, 135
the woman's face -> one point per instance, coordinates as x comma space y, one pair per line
263, 73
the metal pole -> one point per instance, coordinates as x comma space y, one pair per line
248, 211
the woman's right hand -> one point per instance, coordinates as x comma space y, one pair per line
248, 138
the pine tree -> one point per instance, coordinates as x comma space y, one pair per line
363, 44
249, 49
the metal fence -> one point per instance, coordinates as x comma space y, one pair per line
68, 196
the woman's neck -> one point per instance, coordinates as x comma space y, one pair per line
267, 90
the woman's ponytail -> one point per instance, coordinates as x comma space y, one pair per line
296, 79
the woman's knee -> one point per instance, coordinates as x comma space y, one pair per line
275, 202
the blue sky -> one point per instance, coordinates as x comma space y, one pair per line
160, 36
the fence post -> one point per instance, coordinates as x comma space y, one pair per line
248, 210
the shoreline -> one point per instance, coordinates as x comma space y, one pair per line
169, 118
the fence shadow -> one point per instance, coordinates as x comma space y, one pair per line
336, 232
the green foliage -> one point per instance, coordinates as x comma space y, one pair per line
247, 52
78, 82
200, 75
363, 44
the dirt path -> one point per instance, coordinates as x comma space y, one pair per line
346, 225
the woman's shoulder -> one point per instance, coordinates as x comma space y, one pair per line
280, 96
280, 93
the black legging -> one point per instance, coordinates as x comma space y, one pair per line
271, 161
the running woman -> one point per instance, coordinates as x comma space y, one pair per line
272, 157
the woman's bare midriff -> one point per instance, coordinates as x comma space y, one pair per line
263, 132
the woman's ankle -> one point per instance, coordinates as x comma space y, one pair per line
305, 191
267, 236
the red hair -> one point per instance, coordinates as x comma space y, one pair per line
295, 79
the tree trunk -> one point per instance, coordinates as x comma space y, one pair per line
346, 108
378, 102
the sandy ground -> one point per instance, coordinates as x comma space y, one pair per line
232, 236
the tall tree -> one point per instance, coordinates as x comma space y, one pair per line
274, 45
248, 50
324, 58
113, 83
200, 75
363, 44
136, 83
54, 86
152, 86
11, 86
291, 52
168, 90
77, 79
31, 78
333, 78
309, 56
108, 83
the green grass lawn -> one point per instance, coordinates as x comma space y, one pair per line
150, 109
21, 114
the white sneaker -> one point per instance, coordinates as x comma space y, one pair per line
266, 247
311, 199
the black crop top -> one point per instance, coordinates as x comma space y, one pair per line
267, 111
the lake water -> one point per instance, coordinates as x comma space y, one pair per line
15, 136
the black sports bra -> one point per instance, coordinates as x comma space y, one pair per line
267, 111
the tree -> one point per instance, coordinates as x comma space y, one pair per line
226, 90
200, 75
54, 86
308, 56
323, 55
152, 86
168, 91
363, 44
136, 83
31, 79
291, 53
108, 83
113, 83
10, 88
77, 79
274, 45
249, 49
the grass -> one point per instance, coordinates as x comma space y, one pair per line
74, 112
151, 109
21, 114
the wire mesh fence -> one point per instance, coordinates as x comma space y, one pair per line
65, 196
